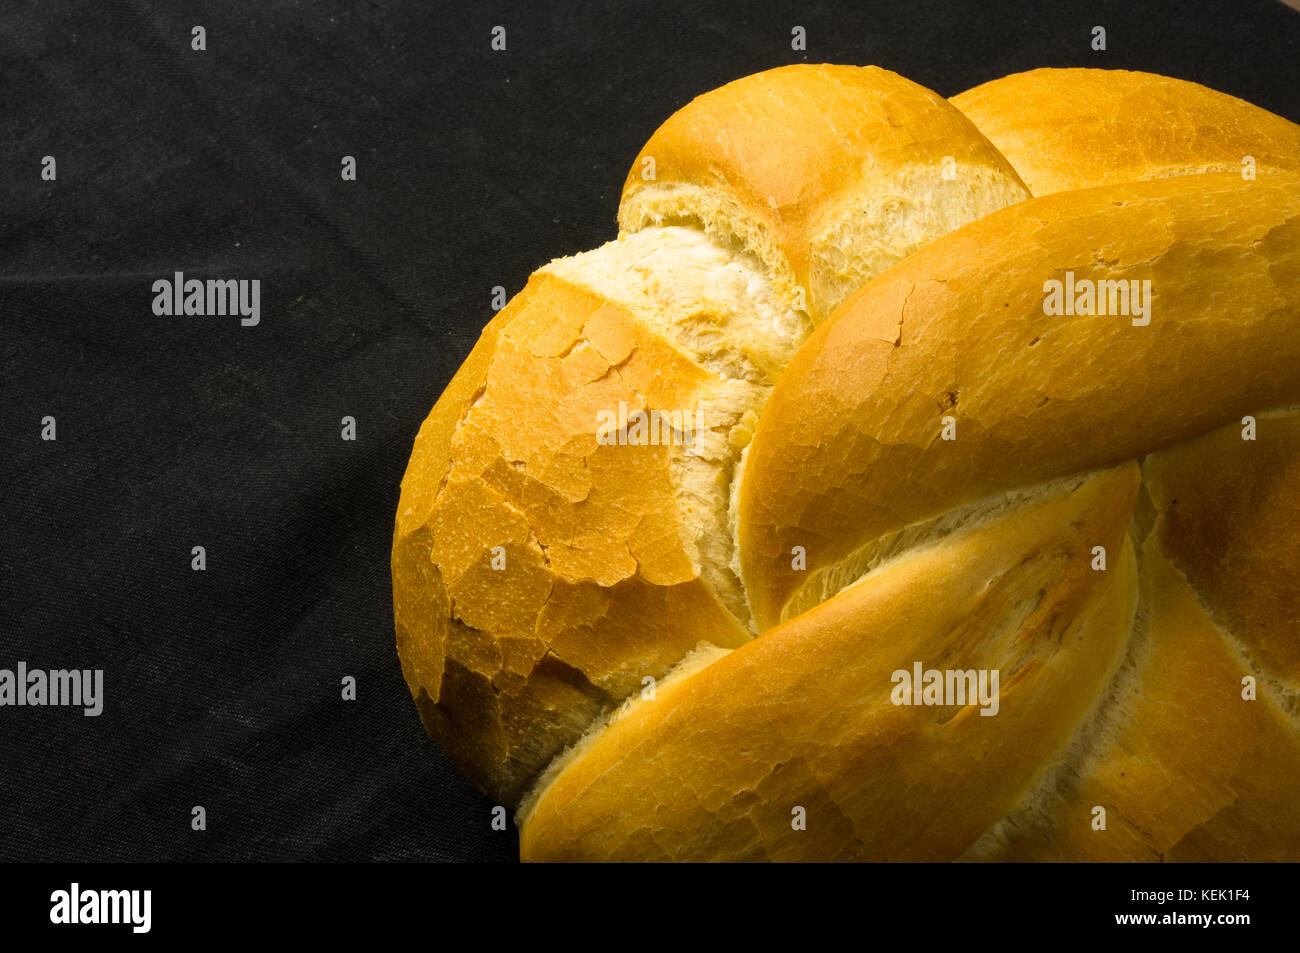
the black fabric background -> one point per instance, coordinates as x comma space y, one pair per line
474, 168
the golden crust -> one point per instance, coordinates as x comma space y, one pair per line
1066, 129
958, 330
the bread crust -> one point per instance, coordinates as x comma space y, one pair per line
904, 455
958, 330
1065, 129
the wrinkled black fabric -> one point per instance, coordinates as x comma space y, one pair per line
474, 168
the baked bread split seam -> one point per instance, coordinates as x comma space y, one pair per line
870, 383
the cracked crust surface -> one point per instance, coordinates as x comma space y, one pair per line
600, 580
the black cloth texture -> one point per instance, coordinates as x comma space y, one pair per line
222, 688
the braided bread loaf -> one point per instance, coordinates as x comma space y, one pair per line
874, 388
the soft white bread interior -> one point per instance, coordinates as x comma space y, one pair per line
828, 174
715, 303
718, 309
